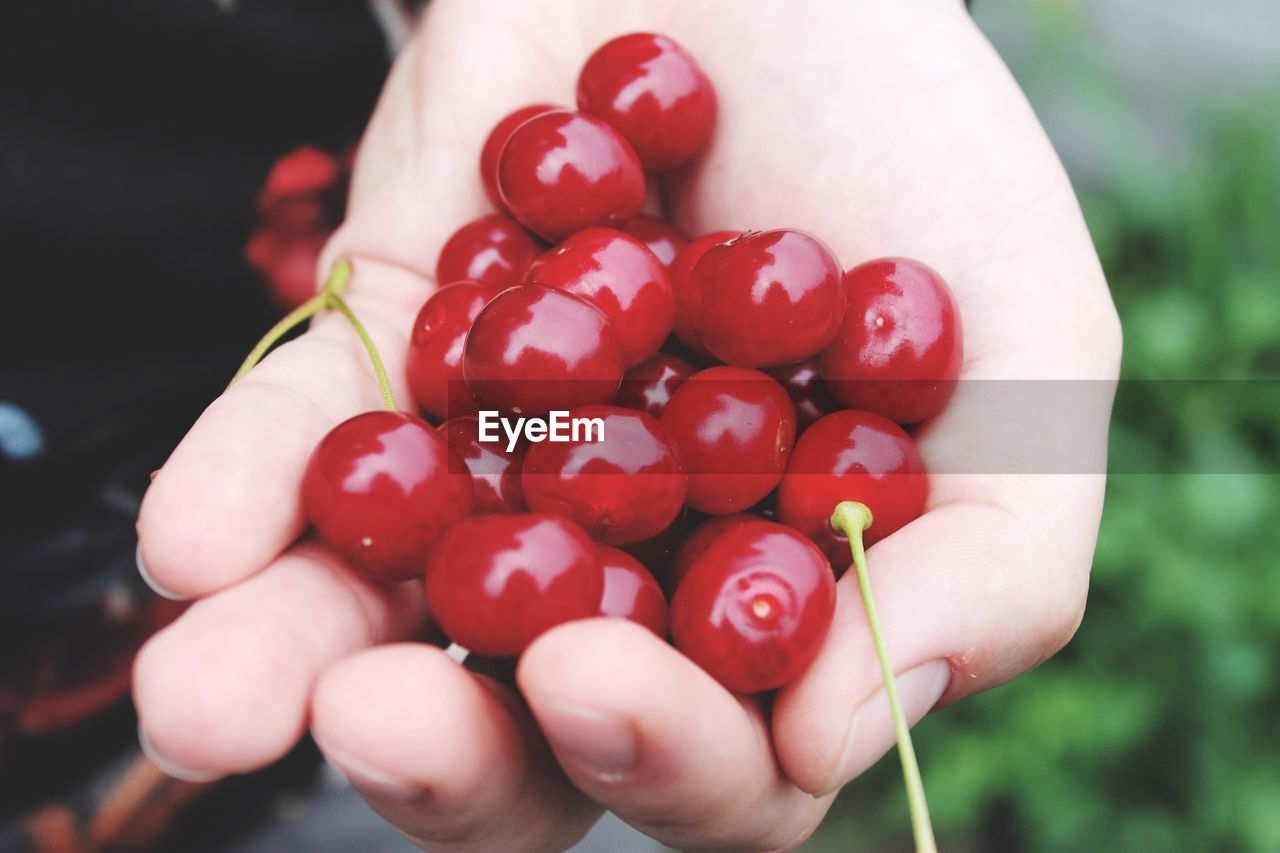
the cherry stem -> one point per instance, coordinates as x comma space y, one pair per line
379, 370
852, 518
329, 297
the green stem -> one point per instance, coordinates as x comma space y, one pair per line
305, 311
851, 518
329, 297
384, 384
334, 286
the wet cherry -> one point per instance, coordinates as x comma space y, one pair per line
617, 274
379, 488
651, 90
497, 140
852, 456
492, 249
767, 298
735, 428
681, 270
659, 236
899, 349
563, 171
754, 607
630, 592
534, 348
623, 487
648, 386
495, 582
434, 366
806, 389
495, 471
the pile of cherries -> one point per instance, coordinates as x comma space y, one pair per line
746, 384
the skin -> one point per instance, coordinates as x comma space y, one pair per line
885, 127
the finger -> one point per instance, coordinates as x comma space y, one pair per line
987, 584
646, 733
448, 757
224, 689
227, 501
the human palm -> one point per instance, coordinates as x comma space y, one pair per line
885, 127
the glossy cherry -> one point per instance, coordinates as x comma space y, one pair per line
497, 140
434, 365
767, 298
697, 541
852, 456
617, 274
492, 249
899, 349
495, 471
651, 90
735, 428
379, 488
534, 348
495, 582
648, 386
659, 236
563, 171
623, 487
630, 592
805, 386
681, 271
754, 607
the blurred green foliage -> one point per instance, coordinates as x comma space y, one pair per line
1158, 728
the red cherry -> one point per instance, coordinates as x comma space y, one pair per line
495, 471
659, 236
303, 171
630, 592
623, 487
697, 541
755, 606
492, 249
734, 428
534, 348
617, 274
806, 389
852, 456
657, 552
495, 582
563, 171
497, 140
648, 386
899, 349
652, 91
379, 489
434, 366
767, 298
681, 270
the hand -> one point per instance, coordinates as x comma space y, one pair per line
884, 127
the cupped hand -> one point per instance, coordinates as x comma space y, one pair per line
886, 127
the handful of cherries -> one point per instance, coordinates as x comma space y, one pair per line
745, 387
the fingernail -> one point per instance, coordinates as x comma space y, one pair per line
373, 782
169, 767
871, 732
152, 582
599, 743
